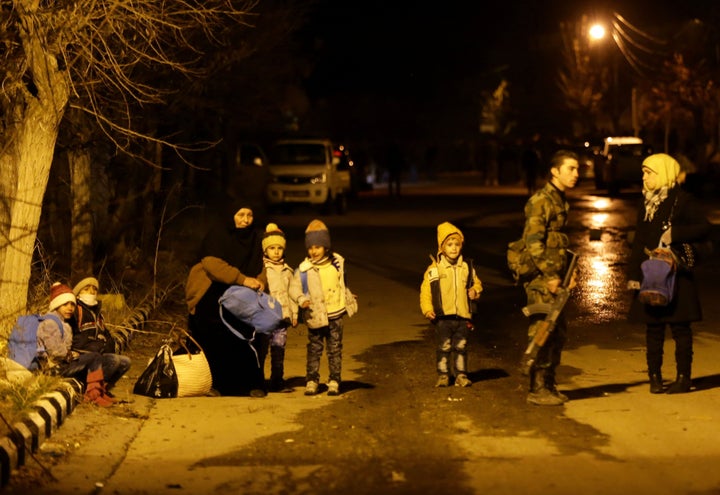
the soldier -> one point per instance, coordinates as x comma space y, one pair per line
546, 214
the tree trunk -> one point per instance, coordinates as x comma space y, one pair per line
25, 162
28, 159
81, 263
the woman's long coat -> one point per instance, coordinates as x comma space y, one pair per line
690, 225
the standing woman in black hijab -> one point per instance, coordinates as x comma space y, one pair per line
230, 254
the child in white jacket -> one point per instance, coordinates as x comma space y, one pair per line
318, 287
278, 274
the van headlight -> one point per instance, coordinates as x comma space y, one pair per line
318, 179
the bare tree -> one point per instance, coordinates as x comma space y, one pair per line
101, 58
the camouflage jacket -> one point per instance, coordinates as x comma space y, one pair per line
546, 214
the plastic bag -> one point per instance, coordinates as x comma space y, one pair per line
159, 380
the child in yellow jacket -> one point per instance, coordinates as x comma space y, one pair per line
449, 286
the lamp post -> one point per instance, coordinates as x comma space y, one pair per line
597, 32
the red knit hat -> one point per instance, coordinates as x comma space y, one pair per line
59, 295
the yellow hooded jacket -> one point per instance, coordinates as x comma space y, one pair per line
445, 285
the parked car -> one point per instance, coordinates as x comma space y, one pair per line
622, 162
310, 171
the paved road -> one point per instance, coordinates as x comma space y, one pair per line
391, 431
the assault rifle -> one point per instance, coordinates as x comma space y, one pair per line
552, 312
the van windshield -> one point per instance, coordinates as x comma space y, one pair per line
297, 154
629, 150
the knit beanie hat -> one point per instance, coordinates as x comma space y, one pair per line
666, 168
84, 283
317, 234
273, 236
445, 230
59, 295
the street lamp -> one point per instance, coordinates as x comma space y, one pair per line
597, 32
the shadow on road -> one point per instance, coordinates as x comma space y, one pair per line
706, 382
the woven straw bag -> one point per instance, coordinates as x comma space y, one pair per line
193, 371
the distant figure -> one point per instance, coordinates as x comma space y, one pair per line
491, 157
531, 165
448, 287
395, 164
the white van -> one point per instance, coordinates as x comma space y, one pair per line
308, 171
623, 157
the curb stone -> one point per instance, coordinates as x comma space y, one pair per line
28, 434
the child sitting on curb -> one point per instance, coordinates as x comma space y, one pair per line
90, 334
56, 343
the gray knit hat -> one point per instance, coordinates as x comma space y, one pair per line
317, 234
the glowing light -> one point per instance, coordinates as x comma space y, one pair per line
597, 31
597, 220
601, 203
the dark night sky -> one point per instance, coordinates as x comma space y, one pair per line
421, 51
369, 44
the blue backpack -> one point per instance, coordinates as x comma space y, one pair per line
658, 283
259, 310
22, 343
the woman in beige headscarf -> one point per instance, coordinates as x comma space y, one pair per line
670, 217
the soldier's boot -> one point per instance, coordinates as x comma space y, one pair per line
539, 394
551, 385
656, 383
681, 385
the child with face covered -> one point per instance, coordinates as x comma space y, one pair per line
91, 335
448, 287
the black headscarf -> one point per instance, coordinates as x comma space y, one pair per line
241, 248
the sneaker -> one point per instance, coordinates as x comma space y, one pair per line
462, 381
333, 387
442, 381
311, 388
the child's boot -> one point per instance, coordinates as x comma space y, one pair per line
277, 359
95, 389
